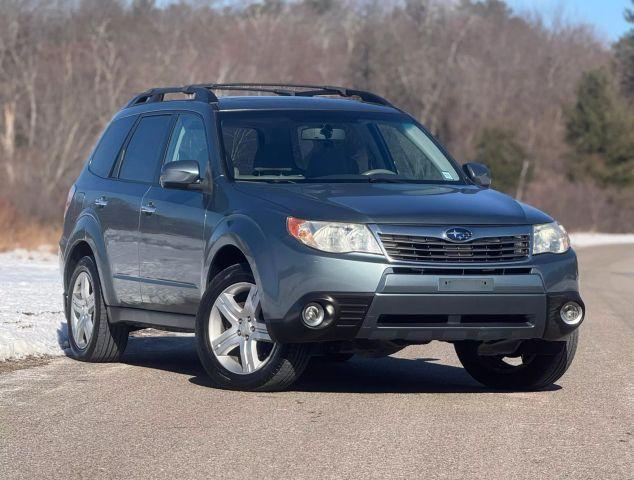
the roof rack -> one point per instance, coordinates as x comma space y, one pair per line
152, 95
204, 92
300, 90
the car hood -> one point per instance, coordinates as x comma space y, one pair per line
385, 203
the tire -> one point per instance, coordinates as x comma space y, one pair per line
243, 356
101, 342
534, 373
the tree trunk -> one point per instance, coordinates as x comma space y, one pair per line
521, 184
8, 140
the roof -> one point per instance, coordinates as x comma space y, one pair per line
284, 96
273, 102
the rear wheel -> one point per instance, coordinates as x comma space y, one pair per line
91, 337
522, 372
233, 342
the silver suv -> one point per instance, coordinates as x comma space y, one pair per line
308, 221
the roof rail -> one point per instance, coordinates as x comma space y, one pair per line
299, 90
200, 94
204, 92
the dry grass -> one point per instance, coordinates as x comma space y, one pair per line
18, 231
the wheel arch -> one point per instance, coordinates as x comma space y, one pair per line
238, 239
225, 257
87, 240
79, 250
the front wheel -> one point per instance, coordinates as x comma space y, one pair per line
523, 372
233, 342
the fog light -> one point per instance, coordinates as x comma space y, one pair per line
571, 313
313, 314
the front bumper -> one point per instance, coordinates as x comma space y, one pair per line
467, 317
413, 303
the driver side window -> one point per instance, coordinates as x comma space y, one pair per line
189, 142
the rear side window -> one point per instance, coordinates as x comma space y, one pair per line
109, 146
143, 153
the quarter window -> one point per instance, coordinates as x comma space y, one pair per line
144, 152
107, 151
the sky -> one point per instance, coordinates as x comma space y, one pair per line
605, 15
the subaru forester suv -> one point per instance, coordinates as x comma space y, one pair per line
307, 221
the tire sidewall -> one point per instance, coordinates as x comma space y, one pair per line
86, 265
218, 373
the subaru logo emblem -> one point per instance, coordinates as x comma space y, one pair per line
458, 234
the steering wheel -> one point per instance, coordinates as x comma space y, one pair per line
378, 171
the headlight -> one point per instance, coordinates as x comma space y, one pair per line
550, 238
333, 237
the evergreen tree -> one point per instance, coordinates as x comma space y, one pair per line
599, 129
499, 150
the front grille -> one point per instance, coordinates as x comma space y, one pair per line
459, 320
500, 318
412, 248
412, 319
462, 271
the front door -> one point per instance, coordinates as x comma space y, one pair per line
171, 249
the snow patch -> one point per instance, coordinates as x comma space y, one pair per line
31, 312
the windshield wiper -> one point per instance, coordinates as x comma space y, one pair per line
387, 180
277, 180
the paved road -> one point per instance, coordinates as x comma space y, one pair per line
415, 416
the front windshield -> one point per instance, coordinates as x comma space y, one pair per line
317, 146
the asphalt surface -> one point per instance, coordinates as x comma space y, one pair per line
416, 415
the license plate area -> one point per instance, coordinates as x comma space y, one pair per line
465, 284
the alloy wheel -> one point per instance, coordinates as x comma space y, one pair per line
82, 310
237, 334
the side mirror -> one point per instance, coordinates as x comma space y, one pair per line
478, 173
181, 174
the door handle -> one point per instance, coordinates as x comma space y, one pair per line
101, 201
148, 209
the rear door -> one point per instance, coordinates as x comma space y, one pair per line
118, 220
171, 247
135, 172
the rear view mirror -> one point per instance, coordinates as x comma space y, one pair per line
324, 133
181, 174
478, 173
